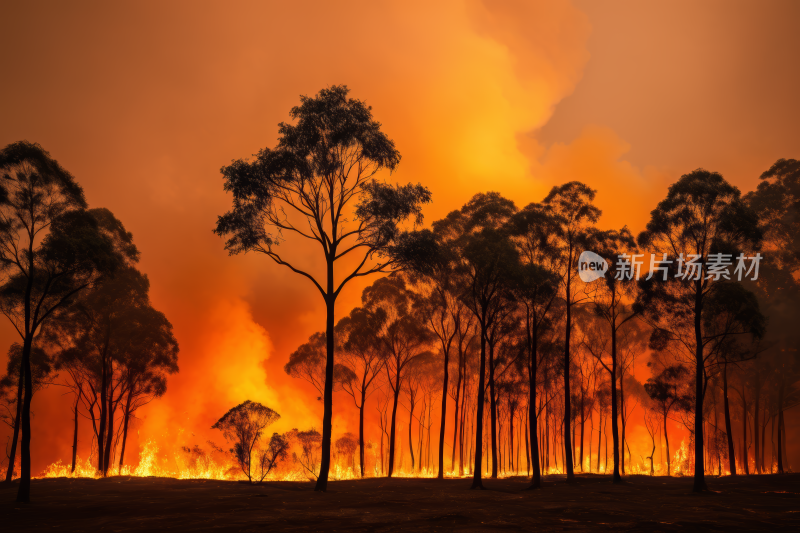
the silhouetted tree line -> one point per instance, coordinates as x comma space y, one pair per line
486, 308
71, 291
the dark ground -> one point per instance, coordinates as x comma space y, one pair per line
767, 503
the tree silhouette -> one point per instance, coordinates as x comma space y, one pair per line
535, 285
244, 425
321, 173
777, 202
669, 392
12, 388
403, 338
362, 356
572, 204
51, 249
308, 362
702, 214
346, 447
310, 443
113, 336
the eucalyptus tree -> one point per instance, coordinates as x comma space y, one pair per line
317, 185
669, 392
308, 362
151, 356
612, 299
51, 249
535, 230
361, 354
430, 256
731, 312
403, 338
12, 390
489, 262
572, 204
124, 346
702, 218
777, 202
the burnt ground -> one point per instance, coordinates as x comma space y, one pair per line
769, 503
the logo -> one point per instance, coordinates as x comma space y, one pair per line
591, 266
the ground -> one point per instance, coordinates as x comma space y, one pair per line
592, 503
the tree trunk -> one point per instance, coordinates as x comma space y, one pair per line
666, 441
567, 331
599, 435
411, 442
394, 421
101, 438
126, 419
493, 408
112, 407
583, 422
15, 437
75, 434
699, 466
744, 432
24, 492
624, 422
727, 414
361, 429
327, 397
536, 481
781, 391
456, 424
445, 384
616, 478
477, 483
756, 436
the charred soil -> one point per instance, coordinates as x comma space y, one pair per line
741, 503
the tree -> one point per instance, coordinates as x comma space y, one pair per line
321, 173
669, 392
612, 302
403, 338
730, 311
51, 249
116, 344
490, 259
362, 356
702, 215
308, 362
310, 444
244, 425
777, 202
430, 257
346, 447
535, 230
12, 390
572, 204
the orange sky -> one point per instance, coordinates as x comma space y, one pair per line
144, 101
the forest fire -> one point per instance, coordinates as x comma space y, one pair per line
526, 255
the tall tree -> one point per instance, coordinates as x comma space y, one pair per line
702, 215
317, 185
572, 204
612, 301
403, 339
51, 249
430, 257
361, 353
